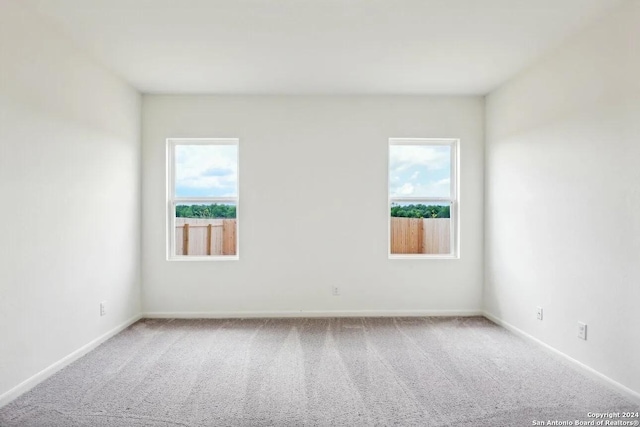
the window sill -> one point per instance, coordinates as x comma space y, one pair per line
410, 256
204, 258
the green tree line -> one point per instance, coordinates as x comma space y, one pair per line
420, 211
229, 211
205, 211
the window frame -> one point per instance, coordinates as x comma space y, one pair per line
172, 200
453, 199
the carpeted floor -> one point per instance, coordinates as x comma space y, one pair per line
462, 371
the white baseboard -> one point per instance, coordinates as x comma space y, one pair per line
302, 313
632, 395
62, 363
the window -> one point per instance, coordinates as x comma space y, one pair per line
423, 198
202, 202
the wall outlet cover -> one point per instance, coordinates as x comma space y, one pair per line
582, 330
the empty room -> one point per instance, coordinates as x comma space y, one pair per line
319, 213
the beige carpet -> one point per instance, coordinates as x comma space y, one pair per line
308, 372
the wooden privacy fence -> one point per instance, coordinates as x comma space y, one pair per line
420, 235
195, 236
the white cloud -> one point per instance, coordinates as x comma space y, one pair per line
440, 188
206, 166
406, 189
419, 170
403, 157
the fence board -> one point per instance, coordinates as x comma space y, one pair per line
420, 236
229, 237
185, 239
406, 236
437, 236
205, 236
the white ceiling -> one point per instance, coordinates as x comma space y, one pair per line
319, 46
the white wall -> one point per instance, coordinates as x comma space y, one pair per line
563, 197
70, 188
313, 194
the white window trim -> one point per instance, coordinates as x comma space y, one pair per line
453, 199
172, 200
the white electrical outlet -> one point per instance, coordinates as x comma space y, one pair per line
335, 291
103, 308
539, 313
582, 331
